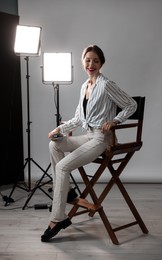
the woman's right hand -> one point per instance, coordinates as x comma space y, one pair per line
53, 132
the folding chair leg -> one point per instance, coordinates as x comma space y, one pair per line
132, 207
108, 227
116, 180
73, 211
95, 208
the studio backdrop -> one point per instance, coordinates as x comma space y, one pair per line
129, 32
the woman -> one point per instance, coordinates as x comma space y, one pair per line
96, 114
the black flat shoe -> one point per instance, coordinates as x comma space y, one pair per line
51, 232
72, 195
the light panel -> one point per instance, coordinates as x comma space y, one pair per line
27, 40
57, 68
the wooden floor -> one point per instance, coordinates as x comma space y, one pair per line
86, 238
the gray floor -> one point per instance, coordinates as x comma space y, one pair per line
20, 230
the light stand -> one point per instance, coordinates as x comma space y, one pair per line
58, 122
28, 52
58, 69
29, 159
58, 116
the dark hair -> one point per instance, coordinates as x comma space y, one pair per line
95, 49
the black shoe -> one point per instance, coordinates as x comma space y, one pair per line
51, 232
72, 195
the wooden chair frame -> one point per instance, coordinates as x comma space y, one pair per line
106, 160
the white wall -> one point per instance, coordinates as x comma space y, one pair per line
129, 32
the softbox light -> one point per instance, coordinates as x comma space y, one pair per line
27, 40
57, 68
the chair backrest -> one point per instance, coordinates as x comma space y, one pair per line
138, 116
139, 113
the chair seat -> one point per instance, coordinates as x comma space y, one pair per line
124, 148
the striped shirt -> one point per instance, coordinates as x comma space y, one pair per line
101, 106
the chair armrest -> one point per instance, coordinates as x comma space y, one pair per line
122, 126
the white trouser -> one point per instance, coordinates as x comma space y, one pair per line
83, 150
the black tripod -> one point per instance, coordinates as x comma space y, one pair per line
28, 160
40, 182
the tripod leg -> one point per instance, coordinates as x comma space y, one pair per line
32, 192
38, 184
76, 185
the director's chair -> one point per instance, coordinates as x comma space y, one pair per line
115, 160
